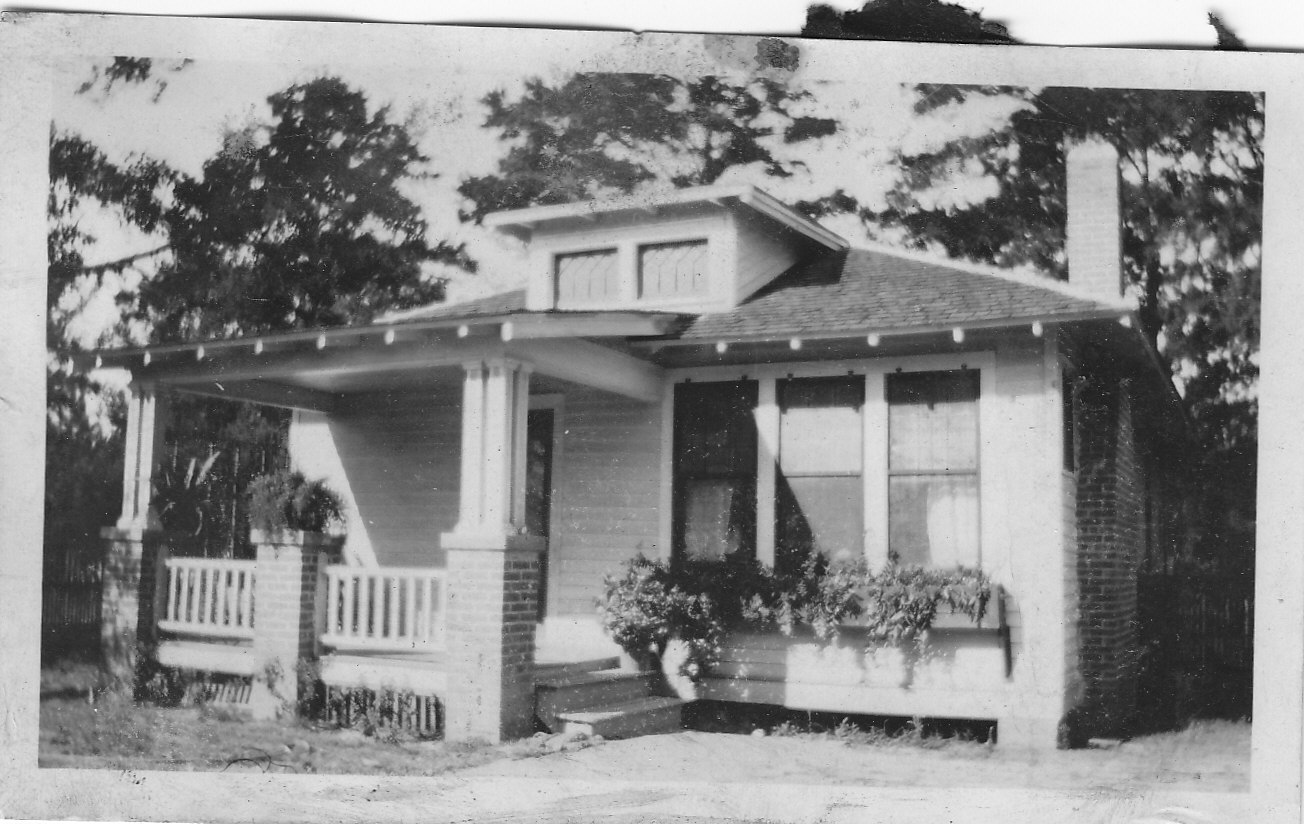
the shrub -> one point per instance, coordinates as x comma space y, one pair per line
287, 500
645, 608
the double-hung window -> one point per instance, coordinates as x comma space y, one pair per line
933, 516
819, 483
715, 469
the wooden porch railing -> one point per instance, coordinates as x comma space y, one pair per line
211, 597
391, 609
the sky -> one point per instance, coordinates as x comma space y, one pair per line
440, 101
184, 125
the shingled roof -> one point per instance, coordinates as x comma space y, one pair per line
855, 291
867, 290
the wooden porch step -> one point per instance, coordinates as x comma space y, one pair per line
646, 716
545, 669
575, 692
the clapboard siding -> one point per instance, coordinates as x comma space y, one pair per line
764, 253
395, 460
606, 483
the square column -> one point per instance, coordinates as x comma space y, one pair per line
134, 547
495, 402
493, 566
289, 595
147, 414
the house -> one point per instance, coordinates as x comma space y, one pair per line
687, 374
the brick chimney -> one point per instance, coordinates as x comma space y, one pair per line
1094, 226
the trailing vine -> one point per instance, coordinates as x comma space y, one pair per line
698, 601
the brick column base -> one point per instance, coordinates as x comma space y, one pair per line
492, 596
127, 626
287, 598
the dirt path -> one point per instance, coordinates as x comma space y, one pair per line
1207, 758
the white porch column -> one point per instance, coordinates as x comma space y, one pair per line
147, 413
493, 567
495, 402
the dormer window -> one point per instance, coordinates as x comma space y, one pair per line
588, 277
697, 250
673, 270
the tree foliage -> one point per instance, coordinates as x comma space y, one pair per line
596, 134
1192, 166
301, 223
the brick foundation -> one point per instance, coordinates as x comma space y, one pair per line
287, 595
492, 612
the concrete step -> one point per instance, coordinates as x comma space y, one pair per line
646, 716
572, 692
545, 669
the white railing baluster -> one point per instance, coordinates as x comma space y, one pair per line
396, 609
376, 589
409, 635
427, 589
391, 592
210, 597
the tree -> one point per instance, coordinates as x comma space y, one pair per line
299, 223
83, 460
1192, 217
925, 20
596, 134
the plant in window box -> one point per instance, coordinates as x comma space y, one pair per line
903, 601
281, 503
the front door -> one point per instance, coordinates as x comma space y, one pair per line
538, 488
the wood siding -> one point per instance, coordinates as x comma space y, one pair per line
764, 253
607, 490
394, 459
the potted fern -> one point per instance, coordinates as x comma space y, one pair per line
287, 508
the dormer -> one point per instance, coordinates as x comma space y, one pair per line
692, 250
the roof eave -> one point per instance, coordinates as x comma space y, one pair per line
512, 325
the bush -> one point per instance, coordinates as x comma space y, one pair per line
645, 608
287, 500
698, 601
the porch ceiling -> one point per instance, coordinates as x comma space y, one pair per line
315, 369
310, 376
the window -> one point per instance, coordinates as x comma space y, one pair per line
933, 517
714, 469
819, 487
587, 277
673, 270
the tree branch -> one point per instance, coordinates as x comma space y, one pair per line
101, 268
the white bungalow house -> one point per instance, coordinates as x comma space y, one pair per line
682, 375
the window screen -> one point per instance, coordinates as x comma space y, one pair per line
715, 468
819, 484
933, 517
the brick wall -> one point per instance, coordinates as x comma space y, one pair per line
286, 591
1111, 536
492, 607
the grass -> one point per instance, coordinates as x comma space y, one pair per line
83, 726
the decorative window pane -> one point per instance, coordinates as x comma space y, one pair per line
819, 484
587, 277
715, 468
933, 517
669, 270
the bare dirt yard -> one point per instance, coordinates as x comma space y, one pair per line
1203, 767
